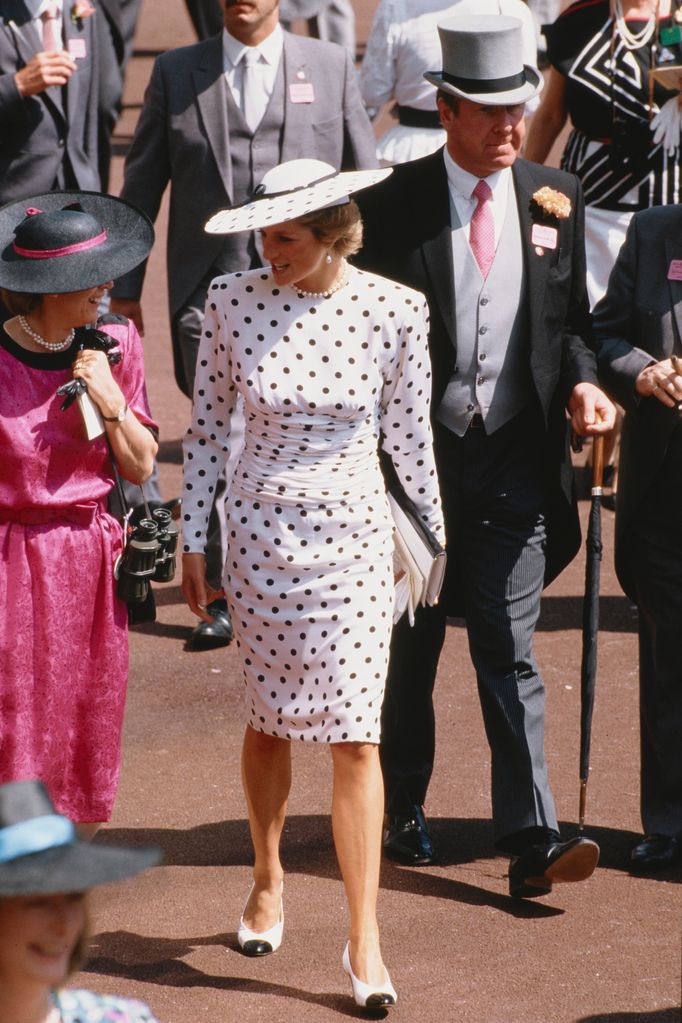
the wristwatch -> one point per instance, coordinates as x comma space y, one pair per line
119, 417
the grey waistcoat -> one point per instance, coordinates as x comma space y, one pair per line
251, 156
492, 375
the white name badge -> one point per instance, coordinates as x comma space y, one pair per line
77, 49
546, 237
301, 92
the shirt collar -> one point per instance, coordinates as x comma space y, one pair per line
464, 183
270, 49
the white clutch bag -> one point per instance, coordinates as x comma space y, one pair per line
418, 553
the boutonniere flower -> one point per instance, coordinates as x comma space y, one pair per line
80, 10
551, 203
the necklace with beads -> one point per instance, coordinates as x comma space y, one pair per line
634, 40
338, 283
51, 346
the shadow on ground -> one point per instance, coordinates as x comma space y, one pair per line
671, 1015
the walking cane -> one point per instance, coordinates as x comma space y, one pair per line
588, 667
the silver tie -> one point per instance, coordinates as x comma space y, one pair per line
253, 95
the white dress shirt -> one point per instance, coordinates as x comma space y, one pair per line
270, 51
461, 184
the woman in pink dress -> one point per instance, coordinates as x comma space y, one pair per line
63, 642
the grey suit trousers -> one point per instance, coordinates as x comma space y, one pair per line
493, 494
654, 547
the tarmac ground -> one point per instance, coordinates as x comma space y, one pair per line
458, 947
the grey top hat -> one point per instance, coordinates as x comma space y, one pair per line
483, 61
40, 853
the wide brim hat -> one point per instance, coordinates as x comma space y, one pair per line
291, 190
483, 61
65, 241
40, 853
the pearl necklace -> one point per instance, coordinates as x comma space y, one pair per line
339, 283
633, 40
52, 346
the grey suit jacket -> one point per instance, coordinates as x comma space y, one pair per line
183, 137
37, 131
639, 321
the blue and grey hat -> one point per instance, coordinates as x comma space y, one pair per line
40, 853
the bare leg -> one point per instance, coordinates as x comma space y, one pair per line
266, 776
357, 814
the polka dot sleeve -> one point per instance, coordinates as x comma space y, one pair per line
206, 445
406, 398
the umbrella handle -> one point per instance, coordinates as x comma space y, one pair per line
597, 464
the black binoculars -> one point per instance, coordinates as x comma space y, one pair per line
149, 555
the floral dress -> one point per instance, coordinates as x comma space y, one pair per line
63, 631
80, 1006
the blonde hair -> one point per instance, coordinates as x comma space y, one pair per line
339, 227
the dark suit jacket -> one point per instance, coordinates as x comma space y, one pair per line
37, 131
639, 321
408, 238
183, 137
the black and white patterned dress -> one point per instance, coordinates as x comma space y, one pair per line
308, 574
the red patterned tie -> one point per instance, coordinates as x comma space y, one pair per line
48, 17
482, 228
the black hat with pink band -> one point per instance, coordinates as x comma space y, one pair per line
70, 241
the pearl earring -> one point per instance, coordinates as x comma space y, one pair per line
328, 258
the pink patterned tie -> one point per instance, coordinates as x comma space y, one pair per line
482, 228
48, 18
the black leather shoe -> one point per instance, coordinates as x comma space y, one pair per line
534, 871
407, 839
218, 632
655, 852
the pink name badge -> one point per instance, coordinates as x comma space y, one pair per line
675, 270
301, 92
544, 236
77, 49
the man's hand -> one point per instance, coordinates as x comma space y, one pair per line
660, 381
43, 71
590, 410
131, 308
195, 588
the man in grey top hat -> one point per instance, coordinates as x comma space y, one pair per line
496, 244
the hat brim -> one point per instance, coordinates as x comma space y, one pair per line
532, 87
278, 209
73, 868
130, 236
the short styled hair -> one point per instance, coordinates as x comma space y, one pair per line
20, 303
339, 227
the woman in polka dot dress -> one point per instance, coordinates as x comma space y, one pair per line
328, 359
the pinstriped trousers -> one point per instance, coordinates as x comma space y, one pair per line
493, 491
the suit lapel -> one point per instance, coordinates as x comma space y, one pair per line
19, 25
80, 36
28, 42
673, 250
210, 85
296, 115
431, 212
536, 267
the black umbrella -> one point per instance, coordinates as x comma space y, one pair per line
588, 667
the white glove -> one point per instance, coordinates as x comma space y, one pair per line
666, 126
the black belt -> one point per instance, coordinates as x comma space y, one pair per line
410, 117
